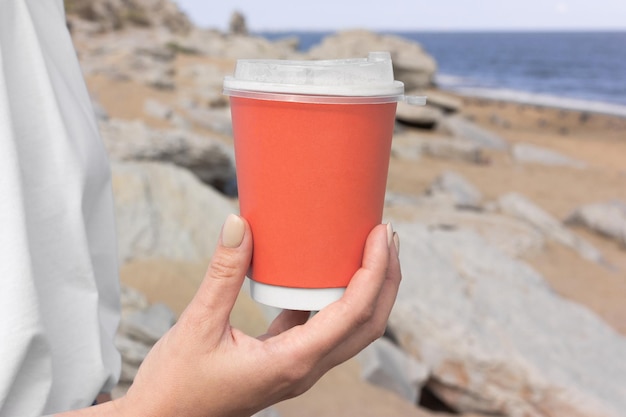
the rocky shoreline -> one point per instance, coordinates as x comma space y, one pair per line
512, 219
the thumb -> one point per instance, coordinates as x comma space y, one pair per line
219, 289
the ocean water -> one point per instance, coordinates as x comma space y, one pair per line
580, 70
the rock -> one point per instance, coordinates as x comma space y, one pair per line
133, 352
165, 212
149, 325
128, 374
426, 117
237, 24
607, 218
205, 88
116, 14
463, 193
411, 146
533, 154
209, 159
132, 300
397, 199
99, 111
411, 64
514, 237
496, 339
138, 55
218, 45
460, 127
216, 120
385, 365
158, 110
454, 150
518, 206
268, 412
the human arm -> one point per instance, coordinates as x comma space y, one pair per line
203, 366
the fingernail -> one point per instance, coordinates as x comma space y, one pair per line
396, 241
232, 232
389, 234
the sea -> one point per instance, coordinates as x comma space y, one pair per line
573, 70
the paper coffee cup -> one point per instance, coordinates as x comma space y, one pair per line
312, 145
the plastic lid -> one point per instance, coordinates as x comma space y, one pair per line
370, 77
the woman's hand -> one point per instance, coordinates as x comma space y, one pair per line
204, 367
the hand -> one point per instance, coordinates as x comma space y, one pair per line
204, 367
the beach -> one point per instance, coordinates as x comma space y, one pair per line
557, 160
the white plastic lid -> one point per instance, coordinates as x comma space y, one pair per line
356, 80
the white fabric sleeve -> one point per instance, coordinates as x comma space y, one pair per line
59, 291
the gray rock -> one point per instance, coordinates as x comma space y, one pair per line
606, 218
268, 412
128, 373
237, 25
533, 154
132, 300
115, 14
165, 212
100, 112
496, 339
133, 352
157, 109
463, 193
149, 325
398, 199
513, 237
454, 150
460, 127
385, 365
207, 158
412, 146
217, 120
426, 117
411, 64
518, 206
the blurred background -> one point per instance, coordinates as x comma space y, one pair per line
508, 189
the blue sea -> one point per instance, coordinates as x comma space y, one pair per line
580, 70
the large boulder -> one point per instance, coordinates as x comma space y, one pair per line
463, 193
411, 64
513, 237
208, 158
527, 153
459, 127
495, 338
518, 206
163, 211
606, 218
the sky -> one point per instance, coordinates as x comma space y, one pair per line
414, 15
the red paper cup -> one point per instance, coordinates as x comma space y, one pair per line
311, 173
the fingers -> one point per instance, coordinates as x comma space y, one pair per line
378, 322
219, 289
352, 315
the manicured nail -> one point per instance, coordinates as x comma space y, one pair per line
389, 234
232, 232
396, 241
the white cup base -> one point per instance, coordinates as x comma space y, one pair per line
306, 299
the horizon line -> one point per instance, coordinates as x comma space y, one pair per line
450, 30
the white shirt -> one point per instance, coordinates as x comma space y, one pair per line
59, 288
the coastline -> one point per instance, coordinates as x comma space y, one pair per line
538, 99
475, 86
